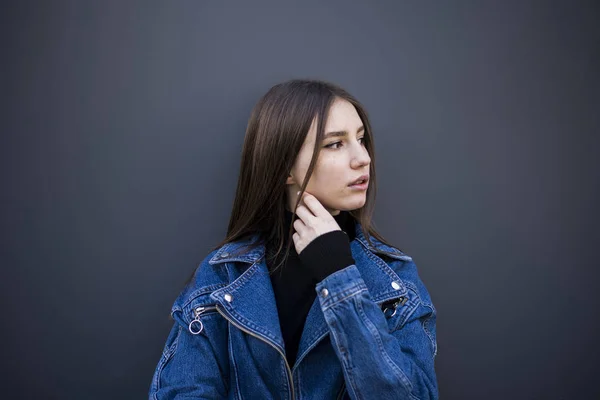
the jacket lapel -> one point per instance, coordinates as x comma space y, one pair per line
249, 299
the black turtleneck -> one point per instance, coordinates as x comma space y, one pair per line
294, 282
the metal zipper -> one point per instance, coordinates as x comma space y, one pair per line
196, 326
289, 371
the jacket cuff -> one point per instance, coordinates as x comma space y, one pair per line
327, 254
342, 284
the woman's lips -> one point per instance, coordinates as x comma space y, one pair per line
361, 186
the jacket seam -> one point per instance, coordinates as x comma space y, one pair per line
414, 289
351, 293
402, 256
253, 327
245, 276
314, 340
166, 356
383, 266
298, 380
426, 319
347, 367
428, 333
233, 363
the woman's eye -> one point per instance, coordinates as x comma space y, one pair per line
332, 145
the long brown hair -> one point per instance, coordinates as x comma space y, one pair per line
277, 128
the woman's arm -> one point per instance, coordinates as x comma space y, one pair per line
379, 362
189, 367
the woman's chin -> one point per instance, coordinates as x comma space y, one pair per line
349, 205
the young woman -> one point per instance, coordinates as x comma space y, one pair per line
303, 299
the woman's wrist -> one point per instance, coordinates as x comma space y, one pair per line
327, 254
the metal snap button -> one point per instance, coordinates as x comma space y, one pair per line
395, 285
228, 298
324, 292
226, 254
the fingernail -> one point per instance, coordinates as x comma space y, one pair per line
297, 193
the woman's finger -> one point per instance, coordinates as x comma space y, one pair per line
314, 205
304, 214
299, 226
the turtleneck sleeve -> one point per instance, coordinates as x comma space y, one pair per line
330, 251
327, 254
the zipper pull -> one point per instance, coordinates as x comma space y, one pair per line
395, 303
196, 326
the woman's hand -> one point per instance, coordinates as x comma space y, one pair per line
313, 221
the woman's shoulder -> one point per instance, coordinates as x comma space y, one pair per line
211, 274
383, 249
403, 265
206, 279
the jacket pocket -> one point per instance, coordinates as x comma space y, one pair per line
403, 309
397, 310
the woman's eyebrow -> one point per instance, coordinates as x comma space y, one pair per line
342, 133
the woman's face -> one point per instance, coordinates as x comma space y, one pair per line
343, 159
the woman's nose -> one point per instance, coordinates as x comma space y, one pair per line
362, 157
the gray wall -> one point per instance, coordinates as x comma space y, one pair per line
122, 126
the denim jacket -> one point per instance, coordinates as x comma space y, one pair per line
370, 334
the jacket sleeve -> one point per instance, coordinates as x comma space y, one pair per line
188, 367
393, 362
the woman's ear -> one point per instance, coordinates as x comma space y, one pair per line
290, 180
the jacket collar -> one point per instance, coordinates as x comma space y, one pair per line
250, 301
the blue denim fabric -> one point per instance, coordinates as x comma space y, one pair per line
349, 348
